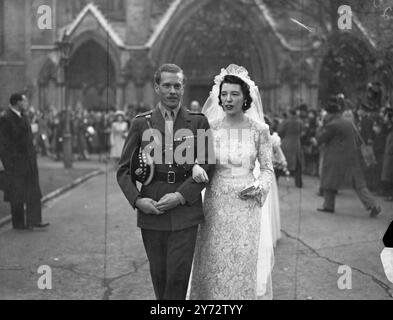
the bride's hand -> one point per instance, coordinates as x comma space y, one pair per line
255, 194
199, 174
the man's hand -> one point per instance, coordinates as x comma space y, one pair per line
167, 202
148, 206
199, 174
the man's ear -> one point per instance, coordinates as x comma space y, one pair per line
156, 88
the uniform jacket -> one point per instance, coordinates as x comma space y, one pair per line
183, 216
341, 154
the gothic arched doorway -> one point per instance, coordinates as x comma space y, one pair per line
91, 78
209, 35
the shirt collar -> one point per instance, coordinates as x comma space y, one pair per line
165, 110
18, 113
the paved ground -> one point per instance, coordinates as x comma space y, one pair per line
93, 236
314, 245
53, 176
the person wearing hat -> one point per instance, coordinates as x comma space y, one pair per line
118, 134
169, 204
341, 162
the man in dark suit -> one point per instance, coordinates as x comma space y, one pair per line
341, 162
290, 131
170, 207
20, 162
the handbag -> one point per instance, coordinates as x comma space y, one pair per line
366, 150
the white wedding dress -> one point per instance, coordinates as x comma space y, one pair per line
231, 261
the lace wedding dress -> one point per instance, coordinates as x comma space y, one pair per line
227, 247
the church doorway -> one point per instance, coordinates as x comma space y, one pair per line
91, 78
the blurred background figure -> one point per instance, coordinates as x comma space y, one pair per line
195, 106
380, 132
387, 166
119, 132
310, 150
79, 134
342, 160
290, 131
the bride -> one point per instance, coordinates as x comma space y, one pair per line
233, 254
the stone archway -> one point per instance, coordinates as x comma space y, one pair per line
91, 77
206, 35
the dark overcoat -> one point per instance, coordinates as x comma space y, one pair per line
387, 167
183, 216
19, 157
290, 131
341, 156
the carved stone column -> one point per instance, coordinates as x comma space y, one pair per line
139, 69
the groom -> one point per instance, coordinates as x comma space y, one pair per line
170, 207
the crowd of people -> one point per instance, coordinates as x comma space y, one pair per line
373, 127
92, 131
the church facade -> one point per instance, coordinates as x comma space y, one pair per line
118, 44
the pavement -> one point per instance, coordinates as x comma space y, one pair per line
95, 250
318, 248
54, 179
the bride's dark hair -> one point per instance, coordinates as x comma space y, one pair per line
244, 87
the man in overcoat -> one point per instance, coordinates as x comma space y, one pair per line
169, 208
387, 167
290, 131
341, 163
20, 163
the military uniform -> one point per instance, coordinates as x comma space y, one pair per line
169, 238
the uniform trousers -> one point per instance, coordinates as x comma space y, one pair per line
170, 255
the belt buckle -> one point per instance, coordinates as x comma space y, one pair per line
171, 178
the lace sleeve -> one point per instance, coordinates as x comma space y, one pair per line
264, 154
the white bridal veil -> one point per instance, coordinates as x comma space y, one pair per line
213, 111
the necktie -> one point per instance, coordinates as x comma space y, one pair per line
169, 121
169, 118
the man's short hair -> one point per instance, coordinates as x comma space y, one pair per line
15, 97
167, 67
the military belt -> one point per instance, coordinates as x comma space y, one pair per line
171, 176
